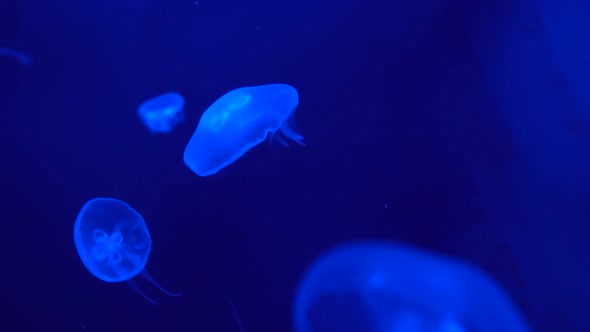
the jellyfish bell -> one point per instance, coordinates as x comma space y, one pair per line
162, 113
379, 286
237, 122
114, 243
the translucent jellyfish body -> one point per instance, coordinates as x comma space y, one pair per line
21, 57
238, 121
162, 113
385, 287
113, 242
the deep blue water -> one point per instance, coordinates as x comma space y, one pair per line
460, 127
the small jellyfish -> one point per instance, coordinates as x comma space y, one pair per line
238, 121
161, 114
21, 57
387, 287
114, 243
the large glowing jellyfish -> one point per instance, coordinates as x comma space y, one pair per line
162, 113
238, 121
385, 287
113, 242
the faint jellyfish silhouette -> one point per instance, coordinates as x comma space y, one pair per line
21, 57
162, 113
387, 287
114, 243
238, 121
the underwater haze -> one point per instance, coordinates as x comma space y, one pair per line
458, 128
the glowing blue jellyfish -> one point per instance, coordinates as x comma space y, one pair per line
238, 121
24, 59
113, 242
383, 287
161, 114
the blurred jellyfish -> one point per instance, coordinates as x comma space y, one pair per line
114, 243
162, 113
386, 287
238, 121
24, 59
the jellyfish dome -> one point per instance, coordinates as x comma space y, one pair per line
162, 113
386, 287
238, 121
114, 243
112, 239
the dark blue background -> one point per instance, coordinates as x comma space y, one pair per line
394, 109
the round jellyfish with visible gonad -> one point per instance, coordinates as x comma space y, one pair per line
162, 113
388, 287
237, 122
114, 243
